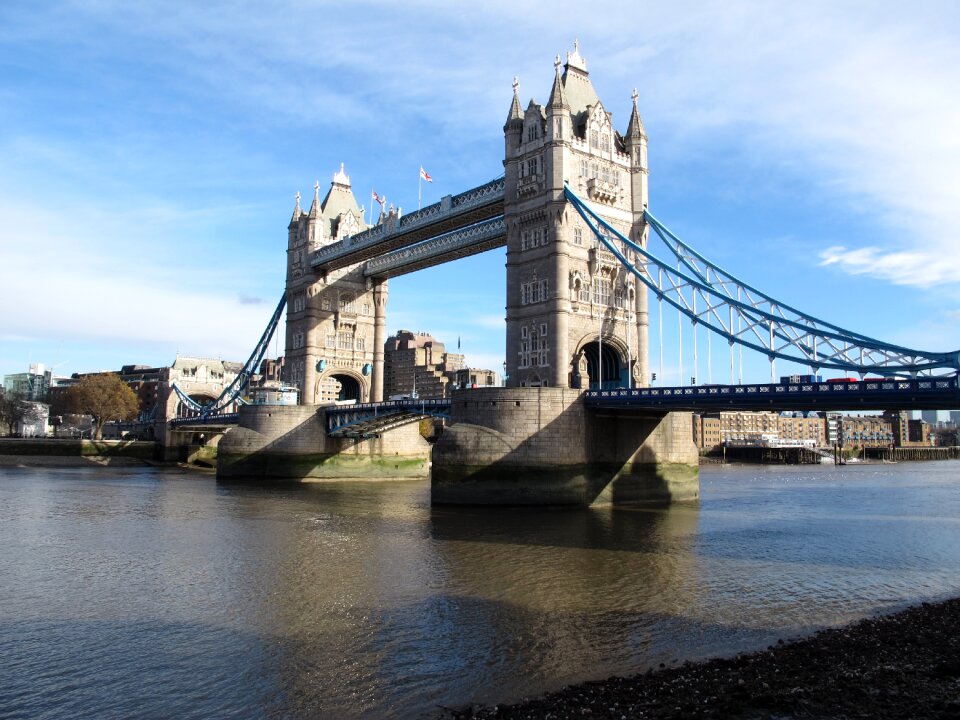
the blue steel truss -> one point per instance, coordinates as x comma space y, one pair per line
368, 420
714, 298
233, 392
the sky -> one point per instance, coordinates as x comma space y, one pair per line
150, 154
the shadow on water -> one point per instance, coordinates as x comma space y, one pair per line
152, 597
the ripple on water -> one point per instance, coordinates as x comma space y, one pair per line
145, 592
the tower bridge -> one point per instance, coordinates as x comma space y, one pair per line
572, 211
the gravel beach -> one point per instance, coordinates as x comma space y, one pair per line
905, 665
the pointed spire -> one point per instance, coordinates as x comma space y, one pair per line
315, 206
575, 60
635, 128
341, 178
515, 112
296, 209
558, 97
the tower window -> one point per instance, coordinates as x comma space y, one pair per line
532, 132
534, 292
601, 291
348, 304
578, 236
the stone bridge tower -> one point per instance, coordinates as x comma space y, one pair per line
331, 329
575, 316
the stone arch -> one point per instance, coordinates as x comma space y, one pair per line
592, 356
341, 384
533, 380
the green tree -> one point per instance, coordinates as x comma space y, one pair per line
106, 397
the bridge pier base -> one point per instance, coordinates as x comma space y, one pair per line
289, 443
542, 446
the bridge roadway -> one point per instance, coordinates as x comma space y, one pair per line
205, 422
366, 420
457, 226
921, 394
371, 419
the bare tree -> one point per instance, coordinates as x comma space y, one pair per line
12, 411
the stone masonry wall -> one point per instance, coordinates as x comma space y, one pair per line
291, 443
543, 446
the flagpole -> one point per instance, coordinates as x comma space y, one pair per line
419, 187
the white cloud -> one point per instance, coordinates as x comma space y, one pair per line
901, 268
89, 281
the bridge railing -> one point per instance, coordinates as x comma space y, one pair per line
785, 391
451, 205
466, 237
368, 419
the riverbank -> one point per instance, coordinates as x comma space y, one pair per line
41, 461
905, 665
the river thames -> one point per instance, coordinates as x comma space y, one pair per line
154, 593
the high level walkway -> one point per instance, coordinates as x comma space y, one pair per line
454, 213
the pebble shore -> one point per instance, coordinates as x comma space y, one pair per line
905, 665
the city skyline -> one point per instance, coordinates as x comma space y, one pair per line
153, 159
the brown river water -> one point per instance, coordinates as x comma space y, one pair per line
154, 593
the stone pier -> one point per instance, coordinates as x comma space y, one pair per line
289, 443
542, 446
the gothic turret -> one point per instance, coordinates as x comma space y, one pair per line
513, 128
558, 108
635, 144
296, 212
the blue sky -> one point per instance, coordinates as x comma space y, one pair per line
150, 154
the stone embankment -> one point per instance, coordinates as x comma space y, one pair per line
50, 452
905, 665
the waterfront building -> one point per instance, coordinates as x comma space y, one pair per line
811, 429
274, 393
32, 385
35, 420
418, 364
471, 378
867, 431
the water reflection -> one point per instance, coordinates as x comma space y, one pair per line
147, 592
